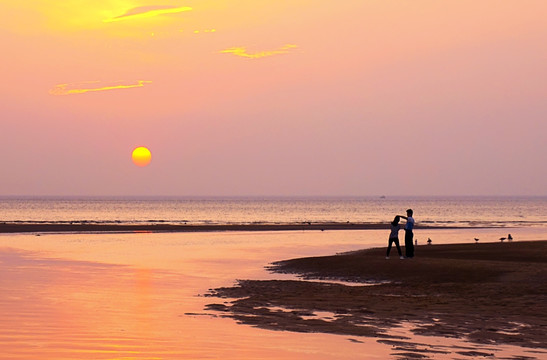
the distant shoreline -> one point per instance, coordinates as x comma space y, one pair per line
81, 227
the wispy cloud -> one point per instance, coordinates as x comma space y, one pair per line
91, 86
205, 31
148, 11
242, 51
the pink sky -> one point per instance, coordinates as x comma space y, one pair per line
260, 97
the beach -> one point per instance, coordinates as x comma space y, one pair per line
487, 293
149, 295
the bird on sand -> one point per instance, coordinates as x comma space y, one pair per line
476, 240
509, 237
502, 238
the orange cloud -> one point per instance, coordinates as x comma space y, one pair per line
205, 31
148, 11
91, 86
242, 51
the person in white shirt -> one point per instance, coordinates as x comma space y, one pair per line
409, 235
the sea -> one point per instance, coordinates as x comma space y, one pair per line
526, 212
143, 295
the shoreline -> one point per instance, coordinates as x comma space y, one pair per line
85, 227
486, 294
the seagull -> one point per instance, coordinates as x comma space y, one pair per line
509, 237
476, 240
502, 238
429, 241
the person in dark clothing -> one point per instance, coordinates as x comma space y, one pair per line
394, 237
409, 235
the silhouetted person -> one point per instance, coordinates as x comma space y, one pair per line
409, 235
394, 237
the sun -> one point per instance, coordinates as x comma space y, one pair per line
141, 156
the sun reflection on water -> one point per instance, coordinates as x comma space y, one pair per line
139, 296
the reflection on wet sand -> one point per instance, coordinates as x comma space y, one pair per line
56, 308
139, 296
57, 303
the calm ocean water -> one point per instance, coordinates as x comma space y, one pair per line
446, 211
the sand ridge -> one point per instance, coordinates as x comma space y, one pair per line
98, 227
491, 293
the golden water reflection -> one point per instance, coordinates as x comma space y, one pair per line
137, 296
148, 307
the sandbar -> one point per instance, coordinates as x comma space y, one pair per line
490, 293
94, 227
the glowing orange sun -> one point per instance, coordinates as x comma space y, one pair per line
141, 156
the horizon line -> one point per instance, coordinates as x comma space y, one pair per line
208, 197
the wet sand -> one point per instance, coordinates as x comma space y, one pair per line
491, 293
83, 227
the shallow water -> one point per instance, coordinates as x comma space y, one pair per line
139, 296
